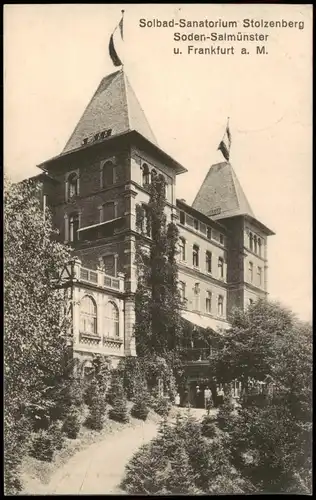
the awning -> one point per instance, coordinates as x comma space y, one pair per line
205, 321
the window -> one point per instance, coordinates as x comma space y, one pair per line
73, 228
196, 255
208, 302
109, 264
182, 290
220, 267
221, 239
88, 370
250, 302
259, 272
88, 315
182, 217
109, 211
182, 248
208, 258
196, 224
259, 246
250, 272
209, 233
108, 174
255, 246
153, 174
111, 320
196, 297
251, 241
72, 185
220, 305
145, 174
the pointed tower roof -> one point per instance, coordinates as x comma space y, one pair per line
222, 191
114, 107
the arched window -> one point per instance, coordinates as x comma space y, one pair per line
72, 185
220, 305
112, 320
251, 241
108, 173
182, 248
255, 244
88, 315
73, 227
145, 174
259, 246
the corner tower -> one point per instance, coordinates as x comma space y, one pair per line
222, 198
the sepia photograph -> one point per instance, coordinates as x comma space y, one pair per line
158, 249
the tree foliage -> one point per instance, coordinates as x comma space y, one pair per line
272, 431
157, 299
35, 323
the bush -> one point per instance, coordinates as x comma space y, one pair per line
97, 407
161, 405
57, 436
71, 425
225, 416
140, 409
208, 427
42, 446
119, 411
15, 432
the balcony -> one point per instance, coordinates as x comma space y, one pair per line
98, 278
199, 355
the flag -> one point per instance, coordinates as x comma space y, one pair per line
224, 145
112, 51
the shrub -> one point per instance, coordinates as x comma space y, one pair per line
71, 425
15, 432
208, 427
161, 405
145, 473
42, 446
57, 436
225, 416
140, 409
97, 408
119, 410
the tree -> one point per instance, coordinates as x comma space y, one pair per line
35, 321
158, 325
157, 300
267, 343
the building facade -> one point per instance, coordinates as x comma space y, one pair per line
94, 189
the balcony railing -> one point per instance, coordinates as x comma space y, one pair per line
197, 354
98, 277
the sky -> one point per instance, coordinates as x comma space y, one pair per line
56, 55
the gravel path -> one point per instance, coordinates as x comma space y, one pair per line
100, 468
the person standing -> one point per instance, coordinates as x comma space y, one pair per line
207, 398
177, 399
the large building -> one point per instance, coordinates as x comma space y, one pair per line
94, 189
